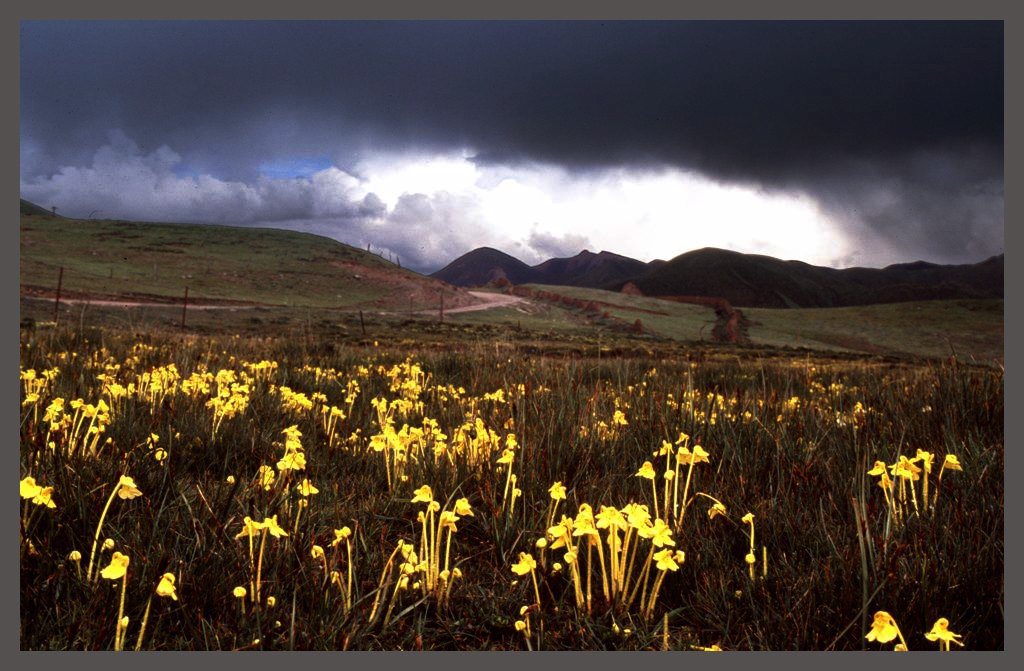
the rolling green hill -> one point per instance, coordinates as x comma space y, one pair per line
146, 261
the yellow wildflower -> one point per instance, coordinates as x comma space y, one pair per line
306, 488
557, 491
166, 586
463, 508
272, 526
127, 488
940, 632
525, 565
117, 568
646, 471
340, 535
29, 488
883, 628
423, 495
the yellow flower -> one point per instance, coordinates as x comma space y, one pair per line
272, 526
239, 592
637, 515
117, 568
926, 458
44, 498
905, 468
166, 586
583, 525
646, 471
127, 488
698, 455
250, 528
557, 491
306, 488
879, 469
340, 535
463, 508
611, 517
317, 552
940, 632
716, 509
951, 463
108, 544
883, 629
75, 555
660, 533
265, 476
447, 520
293, 461
29, 488
750, 558
748, 518
666, 560
525, 565
423, 495
271, 601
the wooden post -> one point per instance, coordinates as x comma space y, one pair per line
56, 303
362, 324
184, 308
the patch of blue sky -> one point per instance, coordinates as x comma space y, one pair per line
183, 171
294, 168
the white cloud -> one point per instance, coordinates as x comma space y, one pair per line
430, 209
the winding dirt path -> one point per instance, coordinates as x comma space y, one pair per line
490, 301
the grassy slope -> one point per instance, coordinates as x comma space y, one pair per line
974, 328
679, 321
219, 262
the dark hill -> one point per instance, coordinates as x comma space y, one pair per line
587, 269
750, 280
484, 265
31, 209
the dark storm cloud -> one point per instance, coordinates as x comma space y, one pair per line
836, 110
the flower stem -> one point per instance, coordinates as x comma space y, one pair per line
99, 528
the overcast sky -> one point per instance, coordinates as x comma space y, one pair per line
835, 143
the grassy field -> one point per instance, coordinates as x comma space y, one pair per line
256, 265
679, 321
302, 280
777, 539
970, 329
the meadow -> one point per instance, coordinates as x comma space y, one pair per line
406, 490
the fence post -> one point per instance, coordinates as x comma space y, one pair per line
56, 303
362, 324
184, 308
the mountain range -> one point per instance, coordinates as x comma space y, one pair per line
745, 280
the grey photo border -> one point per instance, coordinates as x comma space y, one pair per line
18, 11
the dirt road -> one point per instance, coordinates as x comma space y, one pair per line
491, 300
